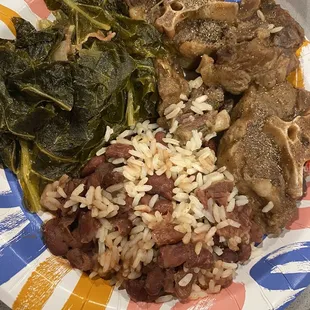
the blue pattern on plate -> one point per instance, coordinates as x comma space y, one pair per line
27, 244
267, 271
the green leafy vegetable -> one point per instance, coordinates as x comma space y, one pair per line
54, 113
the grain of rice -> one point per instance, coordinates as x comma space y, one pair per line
216, 213
231, 205
232, 194
195, 84
198, 248
210, 233
218, 251
173, 114
79, 199
196, 110
268, 207
53, 194
229, 265
181, 197
202, 229
109, 131
187, 238
261, 15
186, 280
233, 223
276, 29
228, 175
226, 273
61, 192
125, 134
174, 126
153, 201
222, 224
270, 26
222, 213
78, 190
68, 204
171, 141
164, 299
183, 97
242, 202
209, 216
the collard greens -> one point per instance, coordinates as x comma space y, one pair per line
62, 85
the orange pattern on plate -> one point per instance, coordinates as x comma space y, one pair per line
89, 294
39, 8
6, 15
297, 77
41, 284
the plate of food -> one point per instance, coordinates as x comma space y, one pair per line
155, 154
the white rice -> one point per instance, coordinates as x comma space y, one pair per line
108, 132
268, 207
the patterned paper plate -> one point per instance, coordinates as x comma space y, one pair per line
30, 278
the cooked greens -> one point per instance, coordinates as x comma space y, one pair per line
62, 85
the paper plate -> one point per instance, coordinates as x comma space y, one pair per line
31, 278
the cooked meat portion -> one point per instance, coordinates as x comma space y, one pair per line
155, 281
161, 185
171, 256
166, 234
183, 290
175, 12
88, 227
123, 225
292, 35
254, 61
147, 10
171, 85
265, 150
80, 260
198, 37
163, 206
218, 191
118, 150
261, 55
54, 237
92, 165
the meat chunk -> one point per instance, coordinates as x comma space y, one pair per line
72, 184
92, 165
171, 256
243, 216
145, 200
159, 137
203, 260
255, 158
118, 150
154, 281
244, 253
166, 234
161, 185
208, 37
229, 256
54, 237
169, 281
163, 206
80, 260
104, 176
136, 290
124, 225
88, 227
183, 291
218, 191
